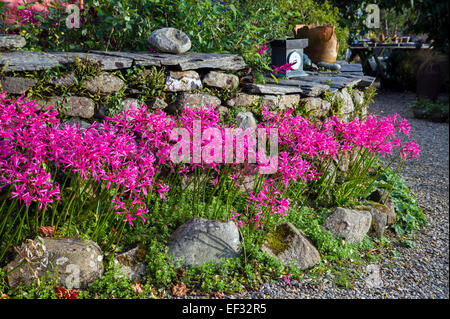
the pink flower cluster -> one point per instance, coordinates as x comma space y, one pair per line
29, 15
130, 151
283, 68
261, 48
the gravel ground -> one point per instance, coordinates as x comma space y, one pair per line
419, 272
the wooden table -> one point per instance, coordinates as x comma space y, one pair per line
366, 50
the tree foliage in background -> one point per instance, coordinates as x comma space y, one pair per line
428, 17
233, 26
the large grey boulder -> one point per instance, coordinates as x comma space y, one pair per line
104, 83
351, 225
288, 243
200, 240
16, 85
221, 80
75, 263
170, 40
183, 81
11, 42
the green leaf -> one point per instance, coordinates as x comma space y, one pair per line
274, 77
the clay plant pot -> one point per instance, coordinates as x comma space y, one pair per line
322, 42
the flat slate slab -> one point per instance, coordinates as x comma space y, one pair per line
275, 89
27, 61
35, 61
310, 89
351, 67
333, 80
107, 62
187, 61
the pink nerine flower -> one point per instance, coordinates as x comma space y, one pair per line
283, 68
261, 49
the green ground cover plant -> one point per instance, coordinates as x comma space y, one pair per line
84, 183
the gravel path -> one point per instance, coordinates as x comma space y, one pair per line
419, 272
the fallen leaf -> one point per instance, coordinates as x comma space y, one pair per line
137, 287
218, 295
179, 289
63, 293
46, 231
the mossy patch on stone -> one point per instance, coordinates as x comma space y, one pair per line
277, 238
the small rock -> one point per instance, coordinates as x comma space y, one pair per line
75, 263
104, 83
158, 103
280, 102
195, 100
77, 121
66, 80
170, 40
287, 243
183, 81
17, 85
344, 161
11, 42
318, 106
373, 280
379, 221
351, 225
77, 106
132, 263
243, 99
248, 184
245, 120
389, 208
221, 80
329, 66
346, 100
222, 110
201, 240
358, 97
127, 103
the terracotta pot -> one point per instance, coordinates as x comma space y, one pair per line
323, 45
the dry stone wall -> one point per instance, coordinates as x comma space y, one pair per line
191, 78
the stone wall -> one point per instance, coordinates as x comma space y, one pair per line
86, 86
